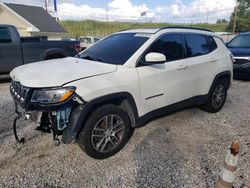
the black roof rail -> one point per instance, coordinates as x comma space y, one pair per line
195, 28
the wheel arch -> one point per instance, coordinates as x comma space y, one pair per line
226, 76
81, 113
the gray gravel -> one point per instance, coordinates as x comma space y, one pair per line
185, 149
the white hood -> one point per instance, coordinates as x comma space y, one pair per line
57, 72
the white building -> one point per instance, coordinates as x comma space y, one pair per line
31, 21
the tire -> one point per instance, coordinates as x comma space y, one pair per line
99, 137
217, 97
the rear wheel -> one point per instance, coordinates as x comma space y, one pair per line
217, 97
106, 131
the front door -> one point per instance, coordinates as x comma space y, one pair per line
163, 84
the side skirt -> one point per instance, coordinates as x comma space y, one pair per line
194, 101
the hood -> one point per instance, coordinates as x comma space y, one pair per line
57, 72
240, 52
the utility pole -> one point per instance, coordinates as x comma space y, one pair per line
46, 5
235, 18
207, 17
55, 10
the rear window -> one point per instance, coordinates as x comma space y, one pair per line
4, 35
197, 45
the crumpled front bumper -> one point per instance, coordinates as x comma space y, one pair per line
64, 116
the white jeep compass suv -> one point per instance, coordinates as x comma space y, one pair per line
98, 97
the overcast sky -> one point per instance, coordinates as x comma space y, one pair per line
175, 11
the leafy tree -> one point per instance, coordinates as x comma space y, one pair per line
221, 21
242, 17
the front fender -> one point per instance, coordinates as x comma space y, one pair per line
81, 112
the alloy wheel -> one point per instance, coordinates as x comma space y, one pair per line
107, 133
218, 96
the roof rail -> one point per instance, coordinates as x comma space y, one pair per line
170, 27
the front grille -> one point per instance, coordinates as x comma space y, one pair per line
241, 61
19, 92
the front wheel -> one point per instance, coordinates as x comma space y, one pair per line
106, 132
217, 97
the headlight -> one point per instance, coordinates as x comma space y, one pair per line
50, 96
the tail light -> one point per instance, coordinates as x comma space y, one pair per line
77, 47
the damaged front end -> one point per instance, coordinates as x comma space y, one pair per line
51, 108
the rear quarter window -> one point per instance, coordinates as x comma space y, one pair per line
5, 36
197, 45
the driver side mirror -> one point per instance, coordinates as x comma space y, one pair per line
155, 58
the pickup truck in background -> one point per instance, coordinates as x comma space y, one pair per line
16, 50
86, 42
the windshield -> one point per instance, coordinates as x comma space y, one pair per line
241, 41
115, 49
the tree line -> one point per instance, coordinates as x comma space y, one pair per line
240, 17
238, 22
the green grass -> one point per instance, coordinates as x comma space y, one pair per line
97, 28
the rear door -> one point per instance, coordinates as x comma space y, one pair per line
10, 51
200, 64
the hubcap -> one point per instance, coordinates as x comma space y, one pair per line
218, 96
107, 133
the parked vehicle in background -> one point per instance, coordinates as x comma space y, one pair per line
86, 42
240, 48
16, 50
102, 94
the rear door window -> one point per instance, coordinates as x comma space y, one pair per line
5, 36
197, 45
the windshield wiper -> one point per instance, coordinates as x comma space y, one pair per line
91, 58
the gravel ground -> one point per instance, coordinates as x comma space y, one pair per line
185, 149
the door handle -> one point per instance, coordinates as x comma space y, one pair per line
181, 67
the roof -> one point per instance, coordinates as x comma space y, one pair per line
38, 17
171, 29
